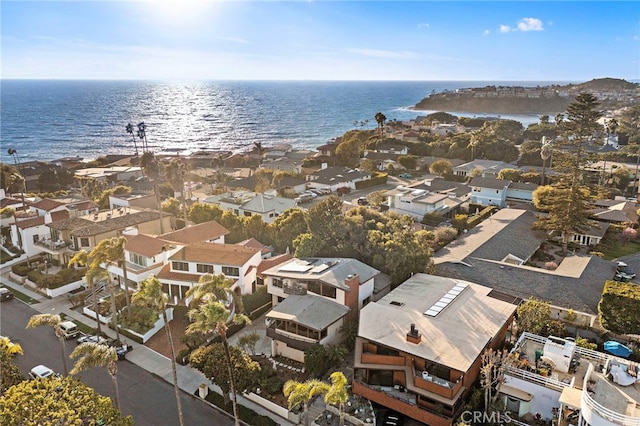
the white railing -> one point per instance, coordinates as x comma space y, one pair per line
608, 414
536, 378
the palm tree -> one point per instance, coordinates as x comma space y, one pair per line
175, 172
51, 321
338, 394
380, 119
302, 393
97, 355
545, 154
211, 295
152, 169
129, 129
91, 274
150, 293
142, 134
112, 249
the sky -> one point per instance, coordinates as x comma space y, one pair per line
320, 40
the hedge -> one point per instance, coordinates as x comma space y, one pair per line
480, 216
619, 307
376, 179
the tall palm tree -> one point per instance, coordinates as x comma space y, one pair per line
175, 172
142, 134
54, 321
150, 293
129, 129
380, 119
545, 154
91, 275
338, 394
112, 250
153, 170
302, 393
92, 355
211, 296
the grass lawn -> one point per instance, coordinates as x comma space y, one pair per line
614, 249
19, 295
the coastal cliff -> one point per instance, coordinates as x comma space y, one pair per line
550, 100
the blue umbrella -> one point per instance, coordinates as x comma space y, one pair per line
617, 349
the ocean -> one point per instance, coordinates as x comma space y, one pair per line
48, 119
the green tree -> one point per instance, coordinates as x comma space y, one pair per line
203, 212
441, 167
10, 373
408, 161
172, 206
619, 307
369, 165
211, 314
248, 342
53, 321
92, 355
255, 227
308, 245
338, 394
509, 174
532, 315
58, 401
206, 359
287, 227
150, 294
103, 199
326, 220
300, 394
7, 182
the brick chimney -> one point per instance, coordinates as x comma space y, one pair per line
352, 296
414, 336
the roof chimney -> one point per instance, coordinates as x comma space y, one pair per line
414, 336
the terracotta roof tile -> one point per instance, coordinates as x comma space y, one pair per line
145, 245
166, 274
197, 233
47, 204
220, 254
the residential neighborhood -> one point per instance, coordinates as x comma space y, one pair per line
435, 287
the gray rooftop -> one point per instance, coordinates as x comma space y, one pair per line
455, 337
309, 310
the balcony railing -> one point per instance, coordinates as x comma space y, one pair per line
53, 245
292, 342
295, 290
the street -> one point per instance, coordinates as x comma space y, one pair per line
148, 398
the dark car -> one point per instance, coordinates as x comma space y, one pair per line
5, 294
362, 201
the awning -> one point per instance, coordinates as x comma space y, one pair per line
516, 393
571, 397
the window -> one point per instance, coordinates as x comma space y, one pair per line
36, 238
366, 301
137, 259
180, 266
231, 271
84, 242
277, 282
204, 269
321, 289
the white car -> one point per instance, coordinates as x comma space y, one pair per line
41, 372
92, 339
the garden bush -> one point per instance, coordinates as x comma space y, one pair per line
246, 415
256, 300
21, 269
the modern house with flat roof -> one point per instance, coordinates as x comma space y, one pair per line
570, 385
419, 348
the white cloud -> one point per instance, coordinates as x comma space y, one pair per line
423, 25
505, 28
383, 53
636, 38
530, 24
486, 32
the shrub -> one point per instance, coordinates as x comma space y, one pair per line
432, 218
584, 343
183, 356
445, 234
550, 266
21, 269
629, 234
256, 300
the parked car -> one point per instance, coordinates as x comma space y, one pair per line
362, 201
304, 197
5, 294
325, 191
41, 372
69, 329
624, 272
89, 338
121, 348
405, 176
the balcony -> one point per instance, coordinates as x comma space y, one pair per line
295, 290
53, 247
300, 343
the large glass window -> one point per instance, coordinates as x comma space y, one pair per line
322, 289
137, 259
231, 271
204, 269
179, 266
277, 282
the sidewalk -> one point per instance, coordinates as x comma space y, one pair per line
189, 379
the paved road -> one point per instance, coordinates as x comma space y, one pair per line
148, 398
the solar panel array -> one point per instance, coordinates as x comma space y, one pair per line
446, 300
